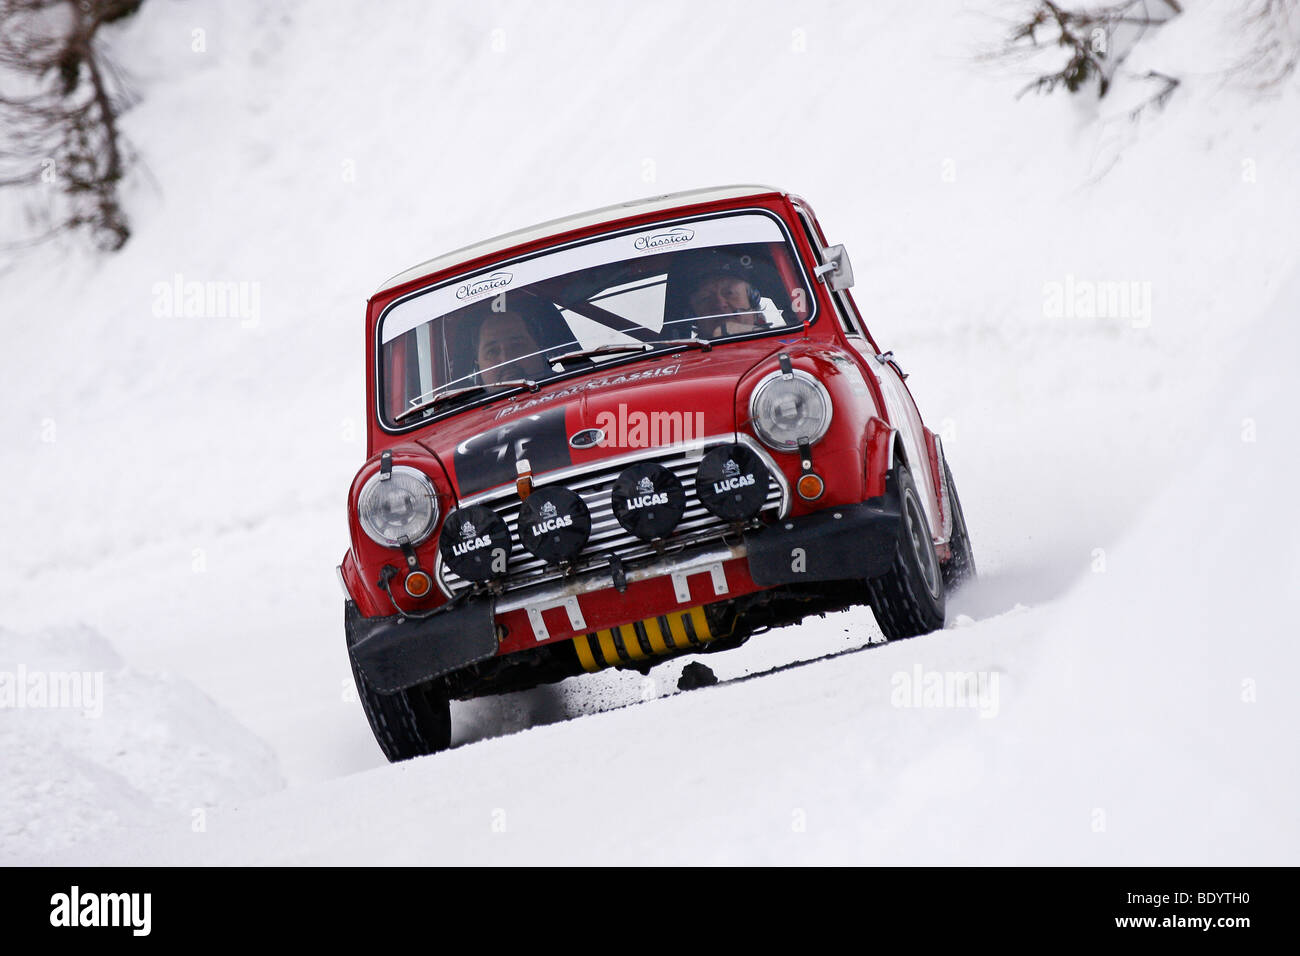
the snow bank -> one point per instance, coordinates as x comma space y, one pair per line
1156, 727
94, 749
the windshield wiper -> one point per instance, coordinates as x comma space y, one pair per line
702, 344
615, 349
455, 393
569, 357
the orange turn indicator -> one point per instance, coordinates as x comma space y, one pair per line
418, 584
524, 483
811, 487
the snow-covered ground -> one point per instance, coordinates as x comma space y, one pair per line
177, 484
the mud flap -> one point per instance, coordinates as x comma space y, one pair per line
844, 542
395, 652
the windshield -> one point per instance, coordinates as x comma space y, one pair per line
575, 308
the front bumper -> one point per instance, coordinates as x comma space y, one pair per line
842, 542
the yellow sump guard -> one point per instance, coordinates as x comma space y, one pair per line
665, 634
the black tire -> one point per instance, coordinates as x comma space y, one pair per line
908, 599
960, 568
410, 723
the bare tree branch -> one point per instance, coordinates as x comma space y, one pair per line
1273, 27
60, 100
1088, 37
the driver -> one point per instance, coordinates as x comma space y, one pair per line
725, 304
507, 349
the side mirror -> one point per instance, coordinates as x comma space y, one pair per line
838, 271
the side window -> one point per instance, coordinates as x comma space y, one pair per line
847, 316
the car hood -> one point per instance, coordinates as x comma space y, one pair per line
649, 402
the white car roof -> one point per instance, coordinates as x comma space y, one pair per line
594, 217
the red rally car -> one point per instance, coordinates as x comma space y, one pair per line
649, 430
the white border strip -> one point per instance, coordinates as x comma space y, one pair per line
728, 231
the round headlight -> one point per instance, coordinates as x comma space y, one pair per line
786, 411
648, 500
732, 482
405, 504
475, 543
554, 524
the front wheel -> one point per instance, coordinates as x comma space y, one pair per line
410, 723
908, 599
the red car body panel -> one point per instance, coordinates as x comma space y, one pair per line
853, 457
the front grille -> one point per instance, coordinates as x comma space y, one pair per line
594, 482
